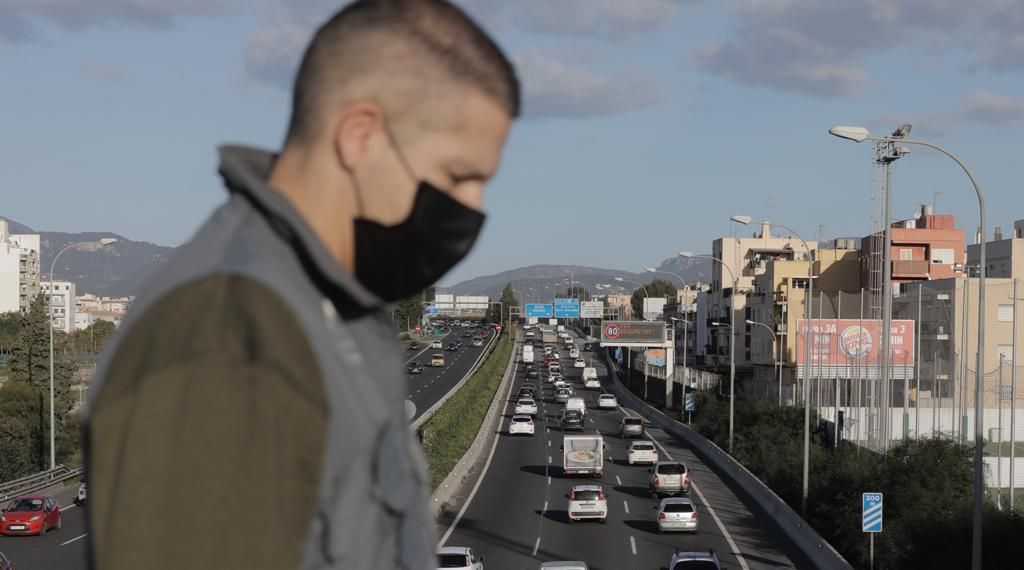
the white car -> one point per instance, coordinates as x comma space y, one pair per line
459, 557
574, 353
677, 513
606, 401
526, 406
580, 363
560, 383
554, 367
436, 344
521, 424
587, 502
642, 451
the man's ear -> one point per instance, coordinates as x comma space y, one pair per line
355, 133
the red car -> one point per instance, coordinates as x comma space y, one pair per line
31, 514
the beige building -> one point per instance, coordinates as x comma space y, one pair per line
1004, 257
745, 259
90, 303
621, 302
777, 300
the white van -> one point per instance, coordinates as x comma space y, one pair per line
576, 403
590, 378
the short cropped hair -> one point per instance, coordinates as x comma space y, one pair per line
397, 52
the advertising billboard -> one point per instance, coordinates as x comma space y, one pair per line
654, 307
539, 310
632, 333
842, 346
656, 356
567, 308
592, 309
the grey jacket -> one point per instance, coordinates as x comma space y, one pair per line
250, 411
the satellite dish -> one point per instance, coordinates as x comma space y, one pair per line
917, 215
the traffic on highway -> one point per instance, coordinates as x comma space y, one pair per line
575, 480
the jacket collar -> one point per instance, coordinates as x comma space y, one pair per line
245, 171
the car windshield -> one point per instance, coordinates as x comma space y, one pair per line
678, 508
587, 495
454, 561
671, 469
521, 419
525, 402
695, 565
25, 505
607, 397
643, 447
633, 421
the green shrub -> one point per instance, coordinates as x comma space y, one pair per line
450, 431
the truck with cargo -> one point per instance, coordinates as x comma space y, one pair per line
583, 455
527, 354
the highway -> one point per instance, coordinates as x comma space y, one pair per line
65, 549
517, 517
426, 388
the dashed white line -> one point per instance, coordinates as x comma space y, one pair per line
74, 539
632, 545
549, 479
549, 459
549, 443
625, 505
536, 546
618, 480
545, 509
62, 509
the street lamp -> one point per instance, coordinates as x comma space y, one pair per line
684, 321
102, 243
861, 134
807, 361
776, 355
732, 341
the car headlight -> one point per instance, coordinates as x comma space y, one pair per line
3, 518
34, 519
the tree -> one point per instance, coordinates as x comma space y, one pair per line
25, 432
500, 313
409, 311
10, 325
92, 339
656, 288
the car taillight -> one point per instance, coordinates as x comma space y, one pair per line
655, 479
686, 479
693, 516
661, 516
600, 496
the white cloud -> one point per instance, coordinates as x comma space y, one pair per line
993, 108
554, 89
819, 46
19, 18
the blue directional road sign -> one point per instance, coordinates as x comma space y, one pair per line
539, 310
567, 308
872, 512
689, 407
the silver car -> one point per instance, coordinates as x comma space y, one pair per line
631, 427
565, 565
677, 513
669, 478
562, 395
685, 560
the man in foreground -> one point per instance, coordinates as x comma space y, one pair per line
250, 413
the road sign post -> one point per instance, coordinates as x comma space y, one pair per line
871, 520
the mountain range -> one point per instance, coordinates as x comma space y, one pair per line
122, 268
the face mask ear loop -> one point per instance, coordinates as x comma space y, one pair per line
359, 196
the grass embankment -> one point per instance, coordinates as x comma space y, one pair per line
449, 432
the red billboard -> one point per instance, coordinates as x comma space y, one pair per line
853, 342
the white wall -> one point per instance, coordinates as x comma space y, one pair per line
62, 307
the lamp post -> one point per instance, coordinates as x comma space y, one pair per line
776, 355
685, 322
732, 341
102, 243
861, 134
807, 362
629, 351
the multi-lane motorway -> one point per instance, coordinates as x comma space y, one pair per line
517, 517
65, 549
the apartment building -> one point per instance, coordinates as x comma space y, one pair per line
1003, 257
60, 300
778, 299
19, 269
90, 303
925, 248
745, 259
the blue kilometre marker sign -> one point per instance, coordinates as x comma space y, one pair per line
871, 520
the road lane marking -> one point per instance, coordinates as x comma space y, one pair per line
549, 443
710, 509
536, 546
618, 480
632, 545
625, 505
549, 479
545, 509
62, 509
549, 459
74, 539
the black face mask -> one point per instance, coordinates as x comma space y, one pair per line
397, 261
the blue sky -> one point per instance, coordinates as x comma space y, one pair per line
648, 122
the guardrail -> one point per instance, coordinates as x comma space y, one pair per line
418, 423
38, 481
816, 549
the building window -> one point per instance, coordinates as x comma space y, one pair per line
1004, 313
943, 256
906, 255
1005, 352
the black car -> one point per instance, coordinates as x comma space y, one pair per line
587, 347
412, 346
467, 334
572, 419
415, 368
452, 347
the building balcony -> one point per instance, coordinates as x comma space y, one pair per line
910, 269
